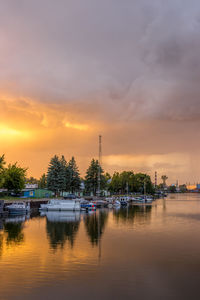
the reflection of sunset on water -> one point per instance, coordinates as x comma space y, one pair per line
57, 251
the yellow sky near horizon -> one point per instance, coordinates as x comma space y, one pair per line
32, 132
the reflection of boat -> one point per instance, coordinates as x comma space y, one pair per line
18, 208
61, 205
143, 199
63, 216
123, 201
17, 219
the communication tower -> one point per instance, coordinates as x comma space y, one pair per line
100, 162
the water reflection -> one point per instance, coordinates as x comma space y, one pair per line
62, 227
133, 214
14, 229
150, 255
95, 225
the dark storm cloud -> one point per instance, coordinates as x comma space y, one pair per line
131, 66
132, 53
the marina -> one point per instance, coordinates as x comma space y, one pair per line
132, 249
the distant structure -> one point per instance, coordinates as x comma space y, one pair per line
193, 187
164, 179
100, 162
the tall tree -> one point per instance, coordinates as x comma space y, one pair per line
2, 163
126, 181
53, 182
42, 184
91, 178
115, 185
62, 174
143, 182
14, 178
72, 176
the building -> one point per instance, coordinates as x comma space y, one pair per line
37, 193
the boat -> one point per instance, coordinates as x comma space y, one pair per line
18, 208
86, 205
116, 203
100, 203
61, 205
148, 199
138, 200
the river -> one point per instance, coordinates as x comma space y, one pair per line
135, 253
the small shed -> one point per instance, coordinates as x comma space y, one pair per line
29, 193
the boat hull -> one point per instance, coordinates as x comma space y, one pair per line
17, 211
56, 205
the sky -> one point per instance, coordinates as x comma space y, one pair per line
126, 69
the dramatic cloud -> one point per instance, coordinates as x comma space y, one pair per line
127, 69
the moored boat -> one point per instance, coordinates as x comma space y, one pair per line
18, 208
88, 205
61, 205
116, 203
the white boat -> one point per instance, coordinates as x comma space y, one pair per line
18, 208
148, 199
61, 205
116, 203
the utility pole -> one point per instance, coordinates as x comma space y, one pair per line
156, 180
144, 188
127, 189
99, 170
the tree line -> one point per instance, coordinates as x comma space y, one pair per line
12, 177
63, 176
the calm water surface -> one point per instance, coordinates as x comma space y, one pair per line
136, 253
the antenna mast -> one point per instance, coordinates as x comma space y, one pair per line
99, 171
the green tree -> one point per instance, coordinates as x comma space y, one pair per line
2, 163
115, 185
126, 181
141, 182
183, 188
172, 189
53, 175
91, 178
14, 178
31, 180
62, 174
107, 178
122, 182
73, 179
42, 184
